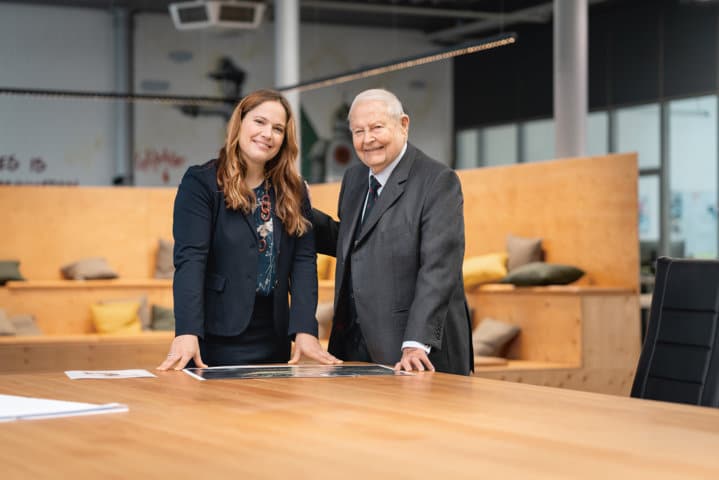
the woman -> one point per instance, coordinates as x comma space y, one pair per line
243, 242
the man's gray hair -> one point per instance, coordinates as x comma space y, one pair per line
394, 106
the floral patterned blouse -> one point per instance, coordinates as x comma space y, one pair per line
266, 264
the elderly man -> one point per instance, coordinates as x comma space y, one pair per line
399, 297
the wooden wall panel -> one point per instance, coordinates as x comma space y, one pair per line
550, 325
47, 227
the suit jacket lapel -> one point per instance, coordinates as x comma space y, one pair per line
354, 199
390, 192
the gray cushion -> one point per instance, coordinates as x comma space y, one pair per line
523, 250
88, 269
490, 336
164, 268
9, 270
25, 325
163, 318
540, 273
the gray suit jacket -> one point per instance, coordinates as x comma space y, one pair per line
406, 263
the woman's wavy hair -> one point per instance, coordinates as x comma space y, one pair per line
281, 170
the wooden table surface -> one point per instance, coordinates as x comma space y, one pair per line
421, 427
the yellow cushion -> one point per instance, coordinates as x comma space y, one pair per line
119, 317
484, 269
325, 267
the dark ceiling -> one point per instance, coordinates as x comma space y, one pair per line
442, 20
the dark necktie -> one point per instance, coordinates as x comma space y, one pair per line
373, 193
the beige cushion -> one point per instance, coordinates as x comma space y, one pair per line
25, 325
88, 269
143, 311
164, 267
325, 312
490, 336
6, 326
523, 250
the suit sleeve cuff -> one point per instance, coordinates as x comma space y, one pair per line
413, 344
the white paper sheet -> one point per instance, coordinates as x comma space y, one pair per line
108, 374
14, 407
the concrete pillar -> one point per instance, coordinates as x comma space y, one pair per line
570, 77
287, 55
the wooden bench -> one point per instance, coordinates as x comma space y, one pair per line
586, 338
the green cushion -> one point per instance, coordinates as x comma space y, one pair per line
163, 318
540, 273
9, 270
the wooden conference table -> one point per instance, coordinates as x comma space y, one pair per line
421, 427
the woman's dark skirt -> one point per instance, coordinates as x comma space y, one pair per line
259, 343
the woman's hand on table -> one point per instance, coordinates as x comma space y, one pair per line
309, 346
183, 349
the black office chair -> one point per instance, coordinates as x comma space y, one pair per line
680, 357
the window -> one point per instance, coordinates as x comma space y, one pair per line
538, 141
467, 149
499, 145
636, 129
597, 133
693, 175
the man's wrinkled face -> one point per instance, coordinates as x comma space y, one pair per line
377, 136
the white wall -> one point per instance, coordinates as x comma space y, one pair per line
325, 50
55, 140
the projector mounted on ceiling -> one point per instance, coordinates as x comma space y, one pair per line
216, 14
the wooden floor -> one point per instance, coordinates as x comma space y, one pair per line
425, 426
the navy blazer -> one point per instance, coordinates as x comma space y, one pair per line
215, 260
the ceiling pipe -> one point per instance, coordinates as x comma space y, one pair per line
404, 10
539, 13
